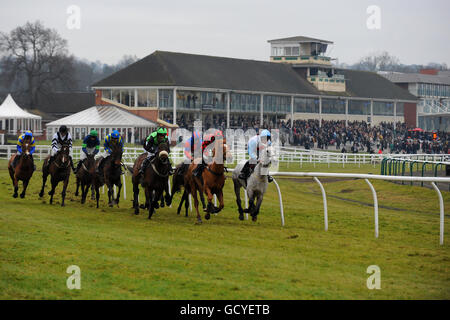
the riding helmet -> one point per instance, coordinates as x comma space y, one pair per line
28, 134
93, 133
115, 134
63, 129
162, 130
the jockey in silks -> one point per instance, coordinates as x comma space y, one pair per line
151, 146
59, 138
255, 144
90, 146
112, 138
210, 138
27, 137
191, 146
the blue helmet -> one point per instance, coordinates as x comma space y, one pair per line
115, 134
265, 133
28, 134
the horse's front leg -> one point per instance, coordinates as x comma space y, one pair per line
181, 201
110, 195
78, 186
221, 203
63, 193
52, 191
16, 186
136, 197
168, 196
194, 195
44, 180
97, 194
210, 208
119, 188
157, 197
25, 185
257, 207
237, 192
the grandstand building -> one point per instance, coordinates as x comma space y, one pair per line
299, 82
432, 88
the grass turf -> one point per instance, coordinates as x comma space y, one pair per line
123, 256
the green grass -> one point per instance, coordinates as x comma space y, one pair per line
123, 256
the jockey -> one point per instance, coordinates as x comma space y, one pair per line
90, 146
151, 146
27, 137
210, 138
59, 138
258, 142
111, 139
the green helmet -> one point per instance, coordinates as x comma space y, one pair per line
161, 131
93, 133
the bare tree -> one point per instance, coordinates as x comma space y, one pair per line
35, 60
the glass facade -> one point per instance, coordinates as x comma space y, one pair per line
383, 108
359, 107
165, 98
240, 102
278, 104
400, 109
433, 90
147, 97
333, 106
306, 105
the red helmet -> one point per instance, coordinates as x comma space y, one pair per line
218, 134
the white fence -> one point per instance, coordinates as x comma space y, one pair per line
288, 155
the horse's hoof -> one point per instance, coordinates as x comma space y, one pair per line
207, 216
15, 195
41, 194
22, 195
156, 206
110, 205
49, 193
199, 221
216, 210
254, 218
136, 212
142, 206
241, 217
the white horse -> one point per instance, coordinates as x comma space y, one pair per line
256, 185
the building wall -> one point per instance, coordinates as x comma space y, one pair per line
410, 112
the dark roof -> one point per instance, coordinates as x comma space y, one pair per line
417, 78
371, 85
63, 103
180, 69
300, 39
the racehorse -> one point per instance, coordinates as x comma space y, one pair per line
59, 170
85, 178
212, 179
108, 173
177, 182
23, 170
155, 180
256, 184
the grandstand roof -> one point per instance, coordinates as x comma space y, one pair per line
199, 71
417, 78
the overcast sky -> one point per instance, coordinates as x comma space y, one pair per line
415, 31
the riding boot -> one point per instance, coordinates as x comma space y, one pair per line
80, 163
49, 162
245, 172
144, 165
198, 171
71, 164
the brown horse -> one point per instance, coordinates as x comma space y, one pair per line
212, 180
23, 170
59, 170
85, 177
177, 182
109, 175
155, 180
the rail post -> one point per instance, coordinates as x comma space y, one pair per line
441, 215
375, 206
325, 208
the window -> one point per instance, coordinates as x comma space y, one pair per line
359, 107
383, 108
288, 51
333, 106
146, 97
165, 98
295, 51
400, 108
106, 94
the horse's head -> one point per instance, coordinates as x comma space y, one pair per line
63, 154
224, 151
26, 147
116, 154
266, 156
163, 153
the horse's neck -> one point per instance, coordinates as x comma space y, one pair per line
216, 167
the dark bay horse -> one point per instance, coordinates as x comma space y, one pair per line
59, 170
109, 174
23, 170
85, 177
212, 180
155, 180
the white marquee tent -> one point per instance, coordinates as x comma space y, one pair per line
104, 119
14, 120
